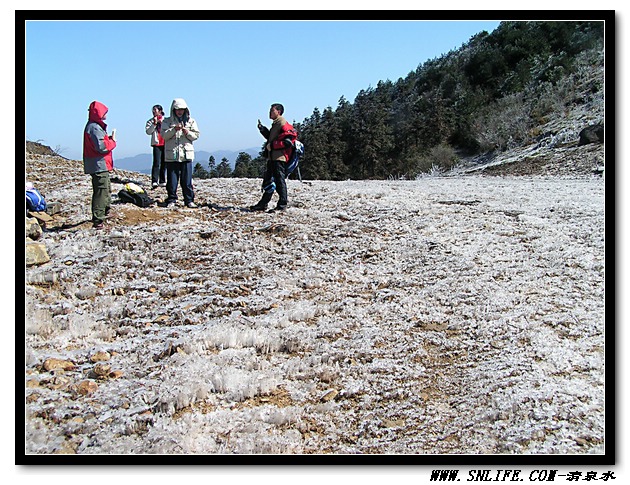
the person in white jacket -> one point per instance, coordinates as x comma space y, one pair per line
179, 131
154, 129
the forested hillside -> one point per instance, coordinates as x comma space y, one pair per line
495, 93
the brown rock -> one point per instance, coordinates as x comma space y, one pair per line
66, 448
591, 134
35, 253
329, 395
32, 228
53, 208
58, 364
40, 216
102, 370
393, 423
31, 383
581, 441
59, 382
86, 388
100, 356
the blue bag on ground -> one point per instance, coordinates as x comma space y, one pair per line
35, 202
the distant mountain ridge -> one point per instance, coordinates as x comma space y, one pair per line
142, 163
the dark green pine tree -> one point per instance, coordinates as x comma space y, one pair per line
333, 124
212, 167
241, 165
199, 172
223, 169
257, 167
314, 165
372, 140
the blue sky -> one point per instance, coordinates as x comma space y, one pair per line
229, 72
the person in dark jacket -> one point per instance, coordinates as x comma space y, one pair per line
278, 151
98, 160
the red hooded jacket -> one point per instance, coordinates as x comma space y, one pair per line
97, 144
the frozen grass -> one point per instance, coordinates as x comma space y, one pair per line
459, 315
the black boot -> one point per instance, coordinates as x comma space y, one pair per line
262, 203
278, 208
258, 207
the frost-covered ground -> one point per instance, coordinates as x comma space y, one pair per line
455, 315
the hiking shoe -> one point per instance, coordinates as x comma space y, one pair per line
98, 225
162, 184
171, 205
257, 207
191, 205
278, 208
154, 185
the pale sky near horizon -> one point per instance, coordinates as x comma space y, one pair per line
229, 72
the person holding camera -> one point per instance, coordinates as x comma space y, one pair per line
179, 131
278, 152
154, 129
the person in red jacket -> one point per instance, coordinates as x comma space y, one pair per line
154, 129
278, 151
98, 160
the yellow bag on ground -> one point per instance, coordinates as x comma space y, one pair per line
134, 188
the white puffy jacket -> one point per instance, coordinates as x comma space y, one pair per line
178, 146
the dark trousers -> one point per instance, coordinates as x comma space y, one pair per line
101, 196
275, 174
158, 170
179, 172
